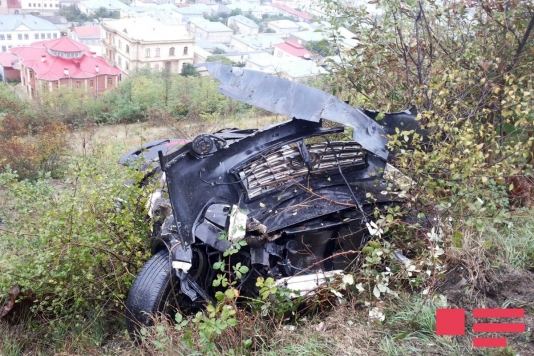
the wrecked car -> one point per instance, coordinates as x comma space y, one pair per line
293, 201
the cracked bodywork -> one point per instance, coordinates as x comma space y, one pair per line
295, 192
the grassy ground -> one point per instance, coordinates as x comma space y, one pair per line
490, 269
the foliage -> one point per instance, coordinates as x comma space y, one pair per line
74, 249
323, 48
30, 146
188, 70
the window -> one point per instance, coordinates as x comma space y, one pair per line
20, 36
120, 44
91, 83
2, 37
120, 61
9, 37
78, 84
171, 51
127, 49
36, 36
42, 36
4, 49
49, 35
185, 50
31, 74
110, 81
55, 35
157, 52
26, 36
44, 5
147, 52
127, 65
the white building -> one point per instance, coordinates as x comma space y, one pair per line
243, 25
22, 30
213, 31
131, 43
283, 27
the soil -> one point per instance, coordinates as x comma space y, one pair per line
471, 286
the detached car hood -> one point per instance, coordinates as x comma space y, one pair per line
298, 101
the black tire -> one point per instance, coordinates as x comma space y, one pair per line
152, 293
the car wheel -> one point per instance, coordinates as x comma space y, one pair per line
154, 293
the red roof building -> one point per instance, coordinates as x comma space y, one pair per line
303, 16
7, 63
47, 65
291, 48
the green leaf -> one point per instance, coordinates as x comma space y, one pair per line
232, 322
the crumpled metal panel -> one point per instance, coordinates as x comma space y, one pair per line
299, 101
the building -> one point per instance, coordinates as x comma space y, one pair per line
262, 42
131, 43
89, 36
114, 7
295, 14
8, 72
243, 25
212, 31
22, 30
10, 7
48, 65
283, 27
305, 37
291, 49
41, 6
291, 68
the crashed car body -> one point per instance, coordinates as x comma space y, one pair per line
298, 197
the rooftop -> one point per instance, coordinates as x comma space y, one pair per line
13, 4
145, 28
244, 20
284, 24
209, 26
13, 22
259, 41
106, 4
7, 59
87, 31
294, 49
309, 36
303, 15
50, 67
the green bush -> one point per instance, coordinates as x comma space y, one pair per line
70, 247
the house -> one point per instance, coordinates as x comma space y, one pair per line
291, 48
59, 21
261, 42
114, 7
291, 68
89, 36
131, 43
48, 65
8, 70
243, 25
195, 11
254, 9
304, 37
295, 14
43, 7
22, 30
210, 46
283, 27
213, 31
10, 7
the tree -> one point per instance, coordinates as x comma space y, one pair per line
188, 70
467, 67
